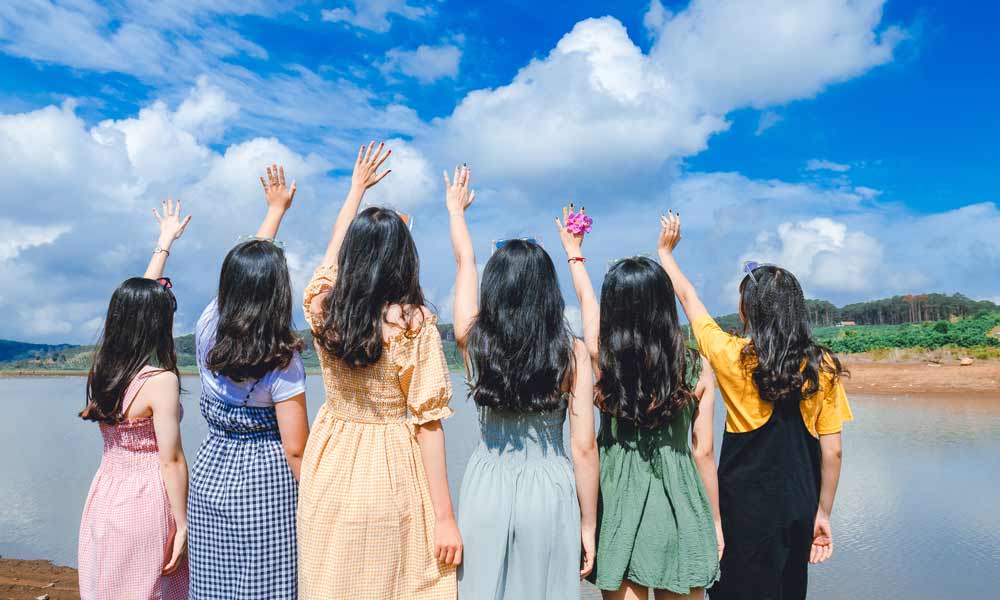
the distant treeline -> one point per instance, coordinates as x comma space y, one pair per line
913, 308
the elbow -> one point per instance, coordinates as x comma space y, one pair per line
833, 455
585, 452
704, 452
294, 453
173, 463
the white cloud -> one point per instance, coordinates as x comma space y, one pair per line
655, 18
817, 164
867, 192
767, 120
823, 254
206, 111
426, 63
373, 15
19, 236
732, 54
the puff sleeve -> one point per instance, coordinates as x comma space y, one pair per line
322, 281
423, 373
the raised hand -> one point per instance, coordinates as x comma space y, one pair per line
670, 232
278, 196
366, 167
171, 224
457, 194
571, 242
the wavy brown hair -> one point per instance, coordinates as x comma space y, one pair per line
643, 358
254, 335
378, 266
782, 358
138, 330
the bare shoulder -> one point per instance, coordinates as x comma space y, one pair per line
164, 384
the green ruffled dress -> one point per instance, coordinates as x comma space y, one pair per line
655, 524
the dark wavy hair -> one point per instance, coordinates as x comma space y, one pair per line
520, 347
643, 357
138, 329
254, 335
378, 266
784, 361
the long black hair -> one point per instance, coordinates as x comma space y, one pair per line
520, 347
254, 334
378, 266
784, 361
644, 360
138, 329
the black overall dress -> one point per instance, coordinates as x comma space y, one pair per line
768, 495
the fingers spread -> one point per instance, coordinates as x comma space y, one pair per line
263, 183
472, 196
292, 191
281, 175
382, 160
447, 182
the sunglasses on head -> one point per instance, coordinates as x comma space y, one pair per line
253, 238
407, 219
750, 266
168, 285
497, 244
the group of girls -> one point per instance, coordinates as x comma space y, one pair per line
359, 507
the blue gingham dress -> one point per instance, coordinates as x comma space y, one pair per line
241, 507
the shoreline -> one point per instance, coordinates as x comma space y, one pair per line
868, 376
37, 579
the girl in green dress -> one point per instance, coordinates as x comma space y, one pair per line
658, 517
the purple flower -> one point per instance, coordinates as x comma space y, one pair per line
578, 223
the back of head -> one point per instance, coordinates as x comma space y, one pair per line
138, 329
644, 360
254, 334
378, 267
782, 357
520, 347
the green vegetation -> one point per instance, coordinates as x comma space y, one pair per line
971, 332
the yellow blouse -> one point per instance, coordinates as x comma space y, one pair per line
824, 412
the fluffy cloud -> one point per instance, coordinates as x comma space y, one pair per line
19, 236
598, 106
426, 63
373, 15
822, 254
767, 120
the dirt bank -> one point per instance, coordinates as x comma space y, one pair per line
31, 579
877, 377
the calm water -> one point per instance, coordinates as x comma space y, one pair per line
917, 515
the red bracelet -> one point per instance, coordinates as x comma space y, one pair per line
574, 259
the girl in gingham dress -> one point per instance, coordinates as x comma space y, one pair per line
375, 517
133, 535
244, 482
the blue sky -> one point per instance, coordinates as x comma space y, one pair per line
851, 140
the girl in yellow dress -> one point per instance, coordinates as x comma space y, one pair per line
375, 516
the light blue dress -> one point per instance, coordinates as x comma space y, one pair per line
518, 512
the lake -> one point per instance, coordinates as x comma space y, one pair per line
917, 514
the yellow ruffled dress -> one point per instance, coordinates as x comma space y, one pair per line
365, 521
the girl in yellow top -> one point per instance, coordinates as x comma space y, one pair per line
781, 452
375, 516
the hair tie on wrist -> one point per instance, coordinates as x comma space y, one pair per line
574, 259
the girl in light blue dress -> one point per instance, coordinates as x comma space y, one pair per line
526, 513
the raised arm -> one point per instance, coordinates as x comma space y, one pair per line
458, 198
703, 444
171, 228
365, 176
670, 236
279, 199
583, 445
590, 310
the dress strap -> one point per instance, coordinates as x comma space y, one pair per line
134, 386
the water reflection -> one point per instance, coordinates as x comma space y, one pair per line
915, 518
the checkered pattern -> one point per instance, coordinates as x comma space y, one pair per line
366, 524
127, 524
241, 508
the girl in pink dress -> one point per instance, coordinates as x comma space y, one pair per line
133, 535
